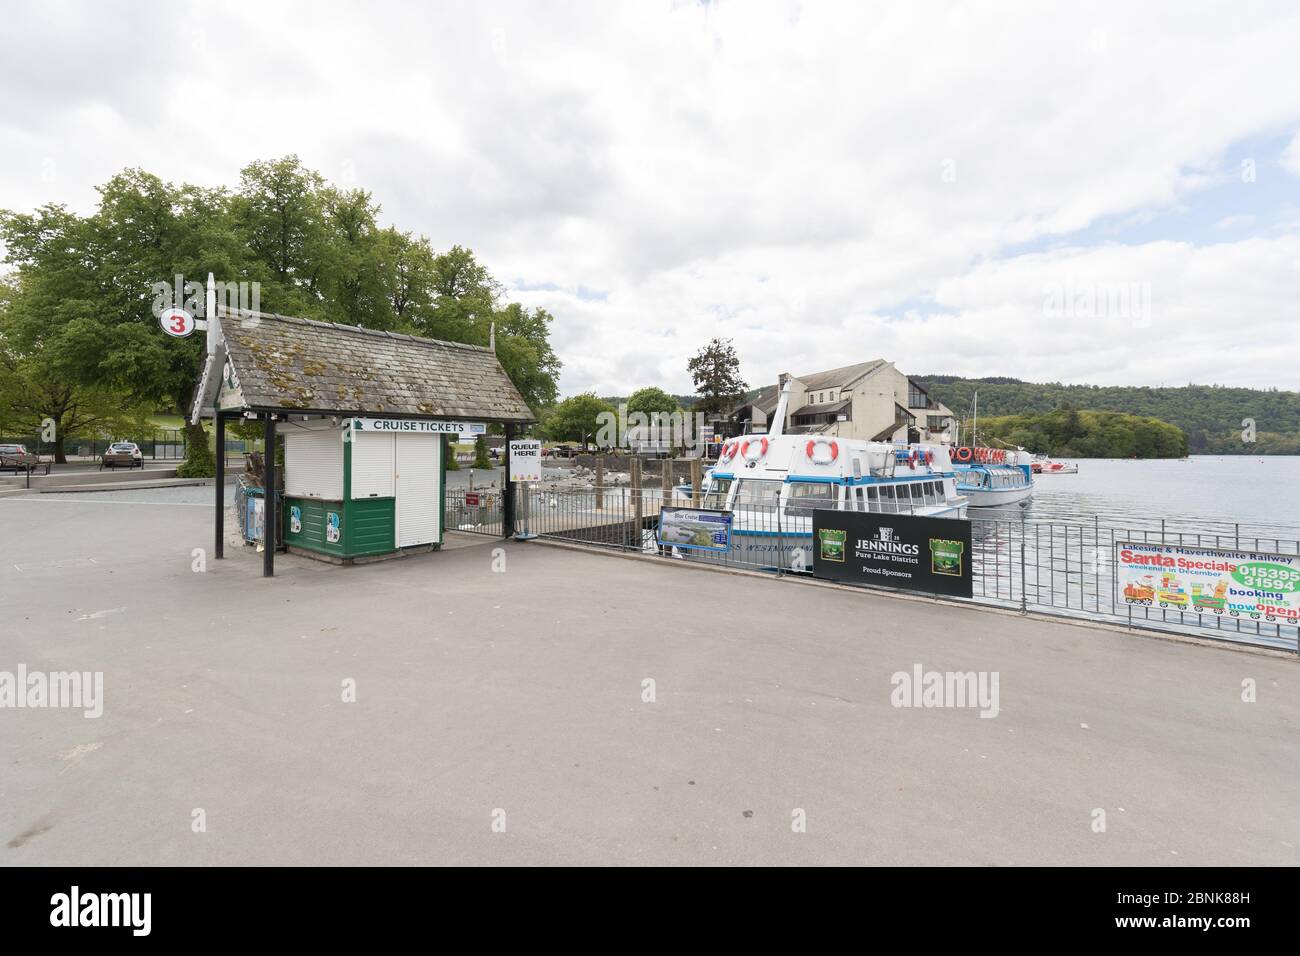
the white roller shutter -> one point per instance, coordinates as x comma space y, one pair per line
419, 495
313, 463
372, 465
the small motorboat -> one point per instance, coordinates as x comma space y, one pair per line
1042, 465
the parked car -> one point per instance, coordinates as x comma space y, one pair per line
17, 458
122, 454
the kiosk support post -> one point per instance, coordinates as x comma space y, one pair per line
269, 516
507, 491
219, 545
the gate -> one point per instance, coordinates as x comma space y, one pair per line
478, 512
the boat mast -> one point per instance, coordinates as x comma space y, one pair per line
777, 425
974, 425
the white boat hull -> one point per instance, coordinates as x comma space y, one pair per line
996, 497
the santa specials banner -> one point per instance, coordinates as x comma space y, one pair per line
1243, 584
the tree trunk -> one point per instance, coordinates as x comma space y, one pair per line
195, 435
60, 457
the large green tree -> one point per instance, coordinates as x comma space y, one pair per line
577, 418
84, 302
716, 371
651, 401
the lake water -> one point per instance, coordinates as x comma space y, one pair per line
1204, 492
1060, 555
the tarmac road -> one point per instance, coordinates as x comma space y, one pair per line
485, 696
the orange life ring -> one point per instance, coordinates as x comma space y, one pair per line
811, 450
744, 450
963, 454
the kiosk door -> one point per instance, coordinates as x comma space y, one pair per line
419, 489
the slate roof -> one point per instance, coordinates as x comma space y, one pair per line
826, 409
288, 363
767, 396
764, 401
836, 377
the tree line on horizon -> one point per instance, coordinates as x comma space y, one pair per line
1217, 419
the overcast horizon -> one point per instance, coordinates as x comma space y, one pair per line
1106, 195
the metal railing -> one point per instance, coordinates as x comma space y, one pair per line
479, 512
1065, 568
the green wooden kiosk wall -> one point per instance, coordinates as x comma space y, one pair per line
367, 526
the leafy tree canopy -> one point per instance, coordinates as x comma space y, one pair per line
79, 313
716, 372
576, 418
1216, 418
651, 400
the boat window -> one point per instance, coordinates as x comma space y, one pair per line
931, 498
887, 499
757, 493
715, 499
873, 502
803, 496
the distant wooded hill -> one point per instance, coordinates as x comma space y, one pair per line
1074, 434
1213, 416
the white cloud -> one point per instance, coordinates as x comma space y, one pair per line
795, 176
1291, 156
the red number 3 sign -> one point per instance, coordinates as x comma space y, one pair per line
176, 322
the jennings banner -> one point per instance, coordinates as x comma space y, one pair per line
1254, 585
932, 555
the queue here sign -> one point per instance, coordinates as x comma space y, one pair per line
526, 460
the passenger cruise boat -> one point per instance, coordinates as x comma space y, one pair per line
772, 483
993, 477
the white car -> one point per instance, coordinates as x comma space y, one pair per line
122, 454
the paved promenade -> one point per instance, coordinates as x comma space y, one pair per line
517, 698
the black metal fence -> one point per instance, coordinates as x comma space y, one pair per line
1054, 567
162, 444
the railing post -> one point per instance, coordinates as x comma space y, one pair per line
600, 483
220, 502
269, 510
1024, 591
666, 483
507, 491
638, 506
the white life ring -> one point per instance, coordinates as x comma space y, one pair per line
729, 451
815, 453
753, 450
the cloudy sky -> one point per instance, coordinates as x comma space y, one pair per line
1104, 193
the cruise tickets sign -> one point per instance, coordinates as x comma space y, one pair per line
915, 553
419, 426
1241, 584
